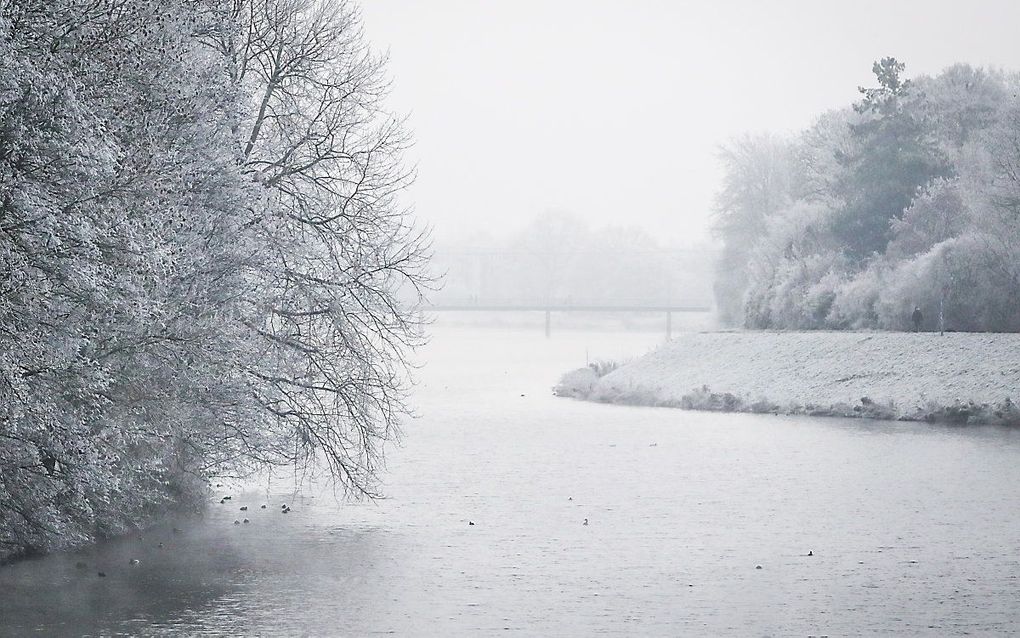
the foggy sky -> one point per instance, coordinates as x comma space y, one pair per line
614, 110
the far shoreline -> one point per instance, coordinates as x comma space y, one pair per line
958, 378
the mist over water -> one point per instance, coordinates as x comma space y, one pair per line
911, 525
225, 234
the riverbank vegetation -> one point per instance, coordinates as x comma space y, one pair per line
202, 255
910, 197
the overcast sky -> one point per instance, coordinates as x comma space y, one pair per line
614, 110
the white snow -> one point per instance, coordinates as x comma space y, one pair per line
910, 371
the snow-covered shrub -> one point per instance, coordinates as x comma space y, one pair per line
576, 383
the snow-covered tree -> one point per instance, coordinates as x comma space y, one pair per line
336, 244
906, 200
200, 254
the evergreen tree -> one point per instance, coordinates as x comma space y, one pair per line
896, 156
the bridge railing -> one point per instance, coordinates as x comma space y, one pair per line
549, 307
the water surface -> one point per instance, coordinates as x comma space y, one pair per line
912, 527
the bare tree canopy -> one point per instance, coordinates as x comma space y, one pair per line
205, 265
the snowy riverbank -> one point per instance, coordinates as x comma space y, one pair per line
957, 377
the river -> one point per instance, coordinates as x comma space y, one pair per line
912, 529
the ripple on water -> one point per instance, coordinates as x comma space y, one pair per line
911, 526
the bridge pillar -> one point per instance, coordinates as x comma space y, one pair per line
547, 323
669, 325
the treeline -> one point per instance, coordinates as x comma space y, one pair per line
200, 249
559, 258
910, 197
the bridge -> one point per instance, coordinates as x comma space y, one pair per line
549, 308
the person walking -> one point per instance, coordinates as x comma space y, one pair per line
917, 318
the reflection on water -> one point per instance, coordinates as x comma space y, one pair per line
912, 527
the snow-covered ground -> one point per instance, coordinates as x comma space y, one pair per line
957, 376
